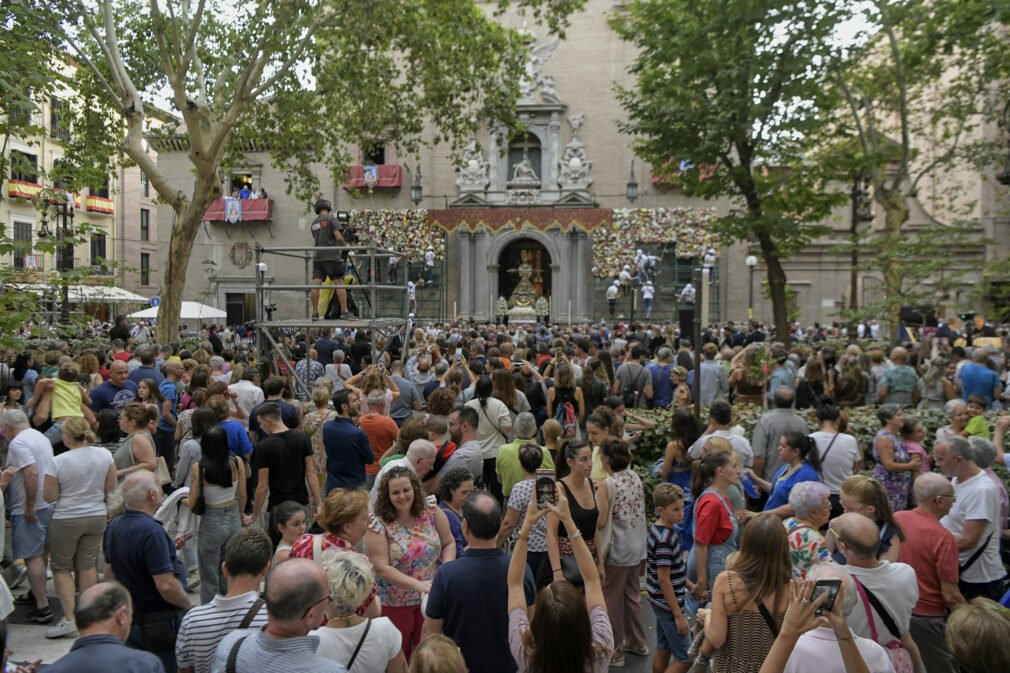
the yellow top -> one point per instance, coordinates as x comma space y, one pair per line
66, 400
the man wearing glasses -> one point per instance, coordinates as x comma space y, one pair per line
297, 595
932, 551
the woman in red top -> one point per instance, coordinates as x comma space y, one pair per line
716, 531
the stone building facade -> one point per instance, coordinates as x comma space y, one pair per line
543, 190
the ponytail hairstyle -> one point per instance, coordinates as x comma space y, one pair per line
825, 410
569, 450
807, 447
483, 389
871, 493
79, 430
703, 473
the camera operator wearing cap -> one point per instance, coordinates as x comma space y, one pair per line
327, 263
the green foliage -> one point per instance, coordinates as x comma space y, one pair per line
737, 90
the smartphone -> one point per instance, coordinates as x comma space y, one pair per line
459, 355
829, 586
546, 489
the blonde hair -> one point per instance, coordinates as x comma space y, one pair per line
979, 635
717, 444
666, 494
341, 507
552, 430
79, 430
871, 493
437, 654
320, 395
350, 578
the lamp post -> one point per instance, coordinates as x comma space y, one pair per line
631, 191
416, 191
861, 212
751, 262
58, 207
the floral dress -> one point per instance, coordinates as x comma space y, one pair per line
897, 484
414, 550
806, 547
628, 524
314, 421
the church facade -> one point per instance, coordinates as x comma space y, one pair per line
555, 211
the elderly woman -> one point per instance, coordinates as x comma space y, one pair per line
809, 500
681, 393
77, 483
957, 412
358, 643
406, 541
530, 458
894, 467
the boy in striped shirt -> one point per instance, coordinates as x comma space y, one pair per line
666, 581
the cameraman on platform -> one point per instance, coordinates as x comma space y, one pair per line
327, 263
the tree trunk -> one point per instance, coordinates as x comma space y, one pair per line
776, 287
895, 205
206, 188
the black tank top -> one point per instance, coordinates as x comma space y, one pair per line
585, 519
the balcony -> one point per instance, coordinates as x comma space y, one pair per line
99, 204
22, 189
59, 133
387, 176
234, 211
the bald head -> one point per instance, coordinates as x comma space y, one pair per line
931, 485
482, 515
104, 608
899, 355
293, 588
141, 491
859, 534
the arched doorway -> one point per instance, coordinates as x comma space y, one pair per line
533, 253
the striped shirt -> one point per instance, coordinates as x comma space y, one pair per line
664, 552
259, 652
204, 627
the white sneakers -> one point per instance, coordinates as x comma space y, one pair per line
64, 627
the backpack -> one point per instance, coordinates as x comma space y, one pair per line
634, 396
564, 414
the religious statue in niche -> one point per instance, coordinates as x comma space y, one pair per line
473, 177
524, 173
525, 293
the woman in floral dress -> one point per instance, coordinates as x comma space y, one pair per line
407, 540
894, 467
312, 425
623, 538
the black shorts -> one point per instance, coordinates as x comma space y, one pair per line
331, 268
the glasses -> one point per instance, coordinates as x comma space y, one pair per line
327, 597
953, 498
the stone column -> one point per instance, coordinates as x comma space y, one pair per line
466, 274
482, 306
582, 261
556, 292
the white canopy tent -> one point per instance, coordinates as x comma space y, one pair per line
191, 310
99, 294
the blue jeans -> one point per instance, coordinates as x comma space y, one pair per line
667, 637
216, 526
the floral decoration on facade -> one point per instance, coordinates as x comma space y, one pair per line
406, 231
615, 242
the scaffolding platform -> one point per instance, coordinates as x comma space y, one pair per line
273, 334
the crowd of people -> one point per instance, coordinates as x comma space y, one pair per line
479, 498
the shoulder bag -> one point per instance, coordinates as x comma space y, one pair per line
361, 641
900, 657
607, 532
200, 508
974, 557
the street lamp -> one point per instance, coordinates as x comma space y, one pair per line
59, 207
862, 211
751, 262
631, 191
416, 191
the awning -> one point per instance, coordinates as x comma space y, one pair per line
99, 294
241, 210
387, 176
190, 310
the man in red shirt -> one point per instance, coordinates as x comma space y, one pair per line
119, 351
932, 551
381, 430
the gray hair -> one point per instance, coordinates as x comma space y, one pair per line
983, 451
959, 446
807, 496
376, 398
951, 406
831, 569
441, 367
930, 485
350, 578
13, 417
525, 425
664, 353
216, 362
135, 490
420, 448
338, 355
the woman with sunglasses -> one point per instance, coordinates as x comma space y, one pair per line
573, 473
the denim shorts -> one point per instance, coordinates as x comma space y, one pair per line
667, 637
28, 540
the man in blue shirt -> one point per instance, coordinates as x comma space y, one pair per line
141, 556
103, 615
479, 627
115, 393
164, 438
662, 386
347, 447
146, 369
978, 379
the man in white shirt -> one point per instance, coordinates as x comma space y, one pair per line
972, 519
612, 292
720, 420
891, 586
817, 651
429, 265
420, 458
247, 557
28, 457
246, 393
648, 292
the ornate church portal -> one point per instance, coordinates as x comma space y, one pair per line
524, 273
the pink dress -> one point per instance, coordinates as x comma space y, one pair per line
415, 551
915, 448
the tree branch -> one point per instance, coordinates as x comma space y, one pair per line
902, 82
296, 54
